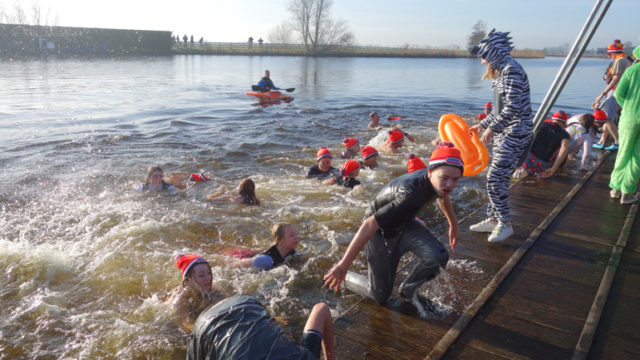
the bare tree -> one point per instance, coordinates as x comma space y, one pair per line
19, 16
478, 32
313, 22
36, 12
281, 34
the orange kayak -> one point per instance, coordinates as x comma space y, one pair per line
269, 95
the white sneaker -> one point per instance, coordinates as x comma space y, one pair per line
628, 199
483, 226
501, 232
614, 193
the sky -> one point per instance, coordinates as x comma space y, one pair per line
435, 23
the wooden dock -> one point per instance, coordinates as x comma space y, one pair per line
565, 286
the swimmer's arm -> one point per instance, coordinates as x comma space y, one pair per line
337, 274
447, 209
408, 136
215, 197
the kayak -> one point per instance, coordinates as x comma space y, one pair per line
269, 95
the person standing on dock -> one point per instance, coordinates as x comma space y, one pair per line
626, 172
510, 122
615, 52
391, 229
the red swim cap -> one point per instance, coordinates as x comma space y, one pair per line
414, 163
396, 136
488, 105
350, 143
323, 152
446, 154
560, 116
368, 151
349, 167
482, 116
186, 262
599, 115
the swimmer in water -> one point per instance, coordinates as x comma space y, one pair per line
323, 170
414, 163
155, 181
285, 243
391, 228
195, 292
246, 194
352, 148
369, 157
350, 169
374, 121
393, 142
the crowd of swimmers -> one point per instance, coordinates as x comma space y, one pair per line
240, 327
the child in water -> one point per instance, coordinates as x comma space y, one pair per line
155, 181
369, 157
350, 169
352, 148
285, 242
393, 142
195, 292
246, 194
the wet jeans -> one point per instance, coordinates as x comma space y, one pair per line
383, 256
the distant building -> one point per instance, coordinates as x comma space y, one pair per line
28, 40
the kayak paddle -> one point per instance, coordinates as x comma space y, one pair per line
258, 88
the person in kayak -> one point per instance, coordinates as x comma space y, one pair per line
246, 194
391, 229
323, 170
266, 82
285, 243
369, 157
240, 327
352, 147
510, 126
195, 292
155, 181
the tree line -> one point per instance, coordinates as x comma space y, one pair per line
34, 15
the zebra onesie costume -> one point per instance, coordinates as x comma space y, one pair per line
510, 120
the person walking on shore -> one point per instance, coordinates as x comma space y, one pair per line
509, 124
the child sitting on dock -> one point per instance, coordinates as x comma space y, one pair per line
607, 127
550, 147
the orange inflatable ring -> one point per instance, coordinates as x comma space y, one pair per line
474, 154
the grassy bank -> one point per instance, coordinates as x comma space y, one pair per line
344, 51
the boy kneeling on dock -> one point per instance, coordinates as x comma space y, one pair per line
392, 229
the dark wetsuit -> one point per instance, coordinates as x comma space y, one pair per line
270, 258
315, 172
347, 182
239, 327
394, 209
548, 140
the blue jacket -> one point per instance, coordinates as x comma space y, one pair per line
266, 83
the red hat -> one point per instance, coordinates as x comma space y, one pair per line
199, 177
323, 152
368, 152
560, 116
186, 262
616, 47
488, 105
446, 154
395, 136
349, 167
599, 115
482, 116
350, 143
414, 163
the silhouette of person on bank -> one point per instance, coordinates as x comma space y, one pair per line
260, 41
185, 38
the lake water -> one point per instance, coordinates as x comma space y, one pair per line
87, 262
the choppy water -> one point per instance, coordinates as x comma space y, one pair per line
87, 262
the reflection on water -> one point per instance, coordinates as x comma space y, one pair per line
87, 263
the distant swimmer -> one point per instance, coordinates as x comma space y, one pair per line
352, 148
369, 157
246, 194
266, 82
392, 229
155, 181
195, 292
487, 110
374, 121
240, 327
323, 170
285, 243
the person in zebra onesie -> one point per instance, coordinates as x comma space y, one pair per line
509, 124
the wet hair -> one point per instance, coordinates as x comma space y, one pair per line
586, 121
248, 192
278, 230
151, 170
189, 274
